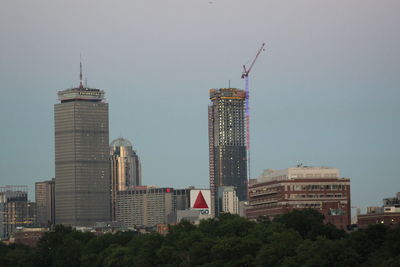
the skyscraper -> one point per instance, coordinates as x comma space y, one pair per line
82, 184
227, 141
125, 169
45, 208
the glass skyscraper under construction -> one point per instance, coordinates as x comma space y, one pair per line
227, 141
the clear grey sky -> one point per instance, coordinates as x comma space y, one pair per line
326, 91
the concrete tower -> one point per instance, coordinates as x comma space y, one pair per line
82, 187
227, 141
45, 207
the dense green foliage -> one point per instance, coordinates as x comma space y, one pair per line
299, 238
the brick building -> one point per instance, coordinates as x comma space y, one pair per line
388, 214
302, 187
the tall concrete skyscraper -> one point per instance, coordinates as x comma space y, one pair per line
125, 169
227, 141
45, 202
82, 166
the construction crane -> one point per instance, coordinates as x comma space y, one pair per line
245, 76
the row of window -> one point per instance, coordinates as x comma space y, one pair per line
316, 196
318, 175
308, 205
318, 187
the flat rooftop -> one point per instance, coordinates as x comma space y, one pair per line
227, 93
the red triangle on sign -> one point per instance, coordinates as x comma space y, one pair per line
200, 202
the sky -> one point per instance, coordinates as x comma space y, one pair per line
324, 93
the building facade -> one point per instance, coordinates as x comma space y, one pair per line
390, 219
15, 210
388, 214
181, 199
82, 185
319, 188
392, 201
144, 206
29, 236
125, 169
227, 141
45, 203
228, 202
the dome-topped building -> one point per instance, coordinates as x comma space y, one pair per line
125, 168
121, 142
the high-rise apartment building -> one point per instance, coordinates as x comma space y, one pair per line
301, 187
82, 180
45, 202
227, 141
228, 202
15, 210
125, 169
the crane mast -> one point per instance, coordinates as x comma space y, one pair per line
245, 76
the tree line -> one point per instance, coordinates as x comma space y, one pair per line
298, 238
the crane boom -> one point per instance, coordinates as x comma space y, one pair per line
246, 72
245, 76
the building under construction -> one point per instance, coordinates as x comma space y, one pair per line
227, 141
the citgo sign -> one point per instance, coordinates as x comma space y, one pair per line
201, 200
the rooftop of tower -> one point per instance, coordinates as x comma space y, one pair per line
121, 142
227, 93
81, 93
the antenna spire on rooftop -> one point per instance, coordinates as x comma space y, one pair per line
80, 72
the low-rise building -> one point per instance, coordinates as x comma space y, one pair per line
389, 219
388, 214
192, 205
144, 206
29, 236
371, 210
321, 188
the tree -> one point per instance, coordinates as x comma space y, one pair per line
369, 241
18, 256
309, 223
323, 252
234, 251
61, 247
281, 245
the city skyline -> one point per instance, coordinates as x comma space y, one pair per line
325, 93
